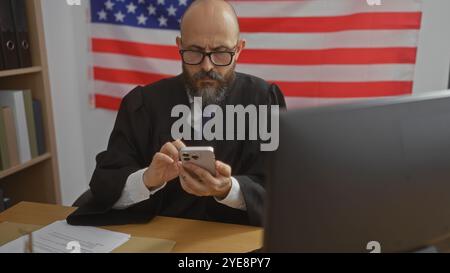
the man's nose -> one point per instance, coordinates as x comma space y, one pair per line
207, 65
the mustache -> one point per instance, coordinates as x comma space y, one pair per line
210, 75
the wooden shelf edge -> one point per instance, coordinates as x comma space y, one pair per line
20, 71
25, 165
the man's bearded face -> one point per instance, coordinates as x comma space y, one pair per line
212, 86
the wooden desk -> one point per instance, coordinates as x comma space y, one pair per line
190, 235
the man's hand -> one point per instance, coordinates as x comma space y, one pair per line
164, 166
197, 181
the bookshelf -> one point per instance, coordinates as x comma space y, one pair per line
20, 71
38, 179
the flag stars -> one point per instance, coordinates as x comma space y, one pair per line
162, 21
151, 10
172, 11
119, 16
109, 5
142, 19
131, 8
102, 15
161, 13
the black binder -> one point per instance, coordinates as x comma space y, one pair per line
8, 36
21, 27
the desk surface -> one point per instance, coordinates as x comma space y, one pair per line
189, 235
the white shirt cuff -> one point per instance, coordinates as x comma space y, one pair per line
235, 198
135, 191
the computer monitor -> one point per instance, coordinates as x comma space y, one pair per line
347, 175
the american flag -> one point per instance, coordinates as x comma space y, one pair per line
317, 51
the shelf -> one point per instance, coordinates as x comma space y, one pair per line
25, 165
38, 179
20, 71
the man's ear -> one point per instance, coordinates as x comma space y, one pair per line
239, 48
178, 40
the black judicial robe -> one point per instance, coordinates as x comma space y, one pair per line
142, 126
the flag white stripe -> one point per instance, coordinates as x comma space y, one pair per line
141, 64
352, 39
331, 73
134, 34
112, 89
313, 8
322, 73
344, 39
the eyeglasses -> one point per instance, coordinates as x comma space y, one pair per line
219, 58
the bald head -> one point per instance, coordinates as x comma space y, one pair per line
210, 47
210, 18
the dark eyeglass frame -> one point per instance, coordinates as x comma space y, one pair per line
232, 53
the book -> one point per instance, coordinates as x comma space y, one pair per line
4, 157
11, 136
15, 100
28, 102
39, 124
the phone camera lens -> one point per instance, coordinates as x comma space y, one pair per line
195, 157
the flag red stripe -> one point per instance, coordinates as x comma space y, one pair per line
359, 21
345, 89
107, 102
271, 56
126, 76
135, 49
405, 55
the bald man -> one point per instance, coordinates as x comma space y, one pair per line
140, 174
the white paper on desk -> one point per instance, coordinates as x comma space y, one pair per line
55, 237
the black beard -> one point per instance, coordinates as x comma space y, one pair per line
209, 94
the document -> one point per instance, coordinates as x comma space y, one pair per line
61, 237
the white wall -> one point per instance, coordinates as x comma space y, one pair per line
82, 132
433, 58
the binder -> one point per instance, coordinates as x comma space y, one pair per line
29, 113
39, 124
11, 136
8, 36
4, 156
21, 27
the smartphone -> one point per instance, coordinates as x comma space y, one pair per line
201, 156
